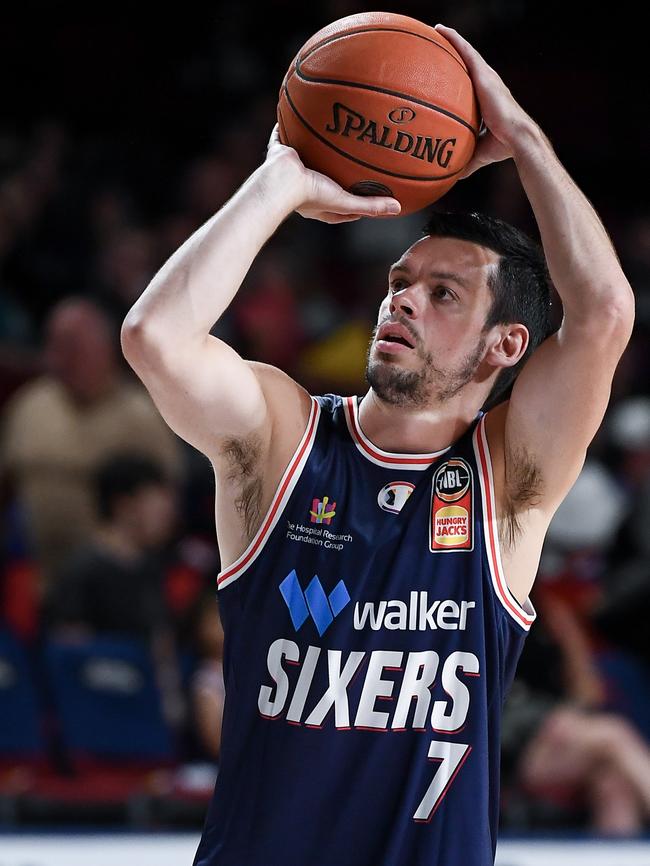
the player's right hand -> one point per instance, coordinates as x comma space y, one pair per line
323, 199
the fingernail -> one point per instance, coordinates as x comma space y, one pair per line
393, 208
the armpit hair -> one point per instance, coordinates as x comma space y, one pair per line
523, 491
243, 458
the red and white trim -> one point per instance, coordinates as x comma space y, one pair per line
283, 492
523, 615
376, 455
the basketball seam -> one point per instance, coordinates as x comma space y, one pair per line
395, 93
382, 30
354, 158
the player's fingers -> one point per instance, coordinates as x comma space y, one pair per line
274, 138
470, 55
334, 218
325, 216
366, 205
469, 169
455, 38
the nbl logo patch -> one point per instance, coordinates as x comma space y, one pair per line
452, 493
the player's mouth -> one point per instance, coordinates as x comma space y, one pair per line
393, 337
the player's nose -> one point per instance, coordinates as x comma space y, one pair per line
408, 300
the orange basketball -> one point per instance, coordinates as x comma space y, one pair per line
384, 105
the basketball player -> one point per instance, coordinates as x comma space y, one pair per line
378, 552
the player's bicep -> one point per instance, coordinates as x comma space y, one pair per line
558, 402
206, 392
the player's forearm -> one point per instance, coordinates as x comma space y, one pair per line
581, 259
197, 283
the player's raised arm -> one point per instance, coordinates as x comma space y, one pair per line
559, 398
202, 387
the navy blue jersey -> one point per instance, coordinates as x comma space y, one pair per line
370, 640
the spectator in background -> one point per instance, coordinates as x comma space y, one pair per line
268, 316
114, 583
573, 751
569, 759
207, 690
125, 264
622, 611
59, 427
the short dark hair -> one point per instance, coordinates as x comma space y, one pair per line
520, 285
124, 474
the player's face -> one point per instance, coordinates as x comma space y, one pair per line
438, 292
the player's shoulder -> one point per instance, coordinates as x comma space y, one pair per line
491, 430
289, 403
516, 474
278, 385
495, 423
509, 452
293, 415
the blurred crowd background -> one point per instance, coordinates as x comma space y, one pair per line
120, 135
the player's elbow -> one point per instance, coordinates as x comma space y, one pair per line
605, 325
137, 336
131, 336
620, 315
609, 321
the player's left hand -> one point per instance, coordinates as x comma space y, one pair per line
504, 119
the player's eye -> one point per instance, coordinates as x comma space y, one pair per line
395, 285
443, 293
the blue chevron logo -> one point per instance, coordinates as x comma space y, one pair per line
313, 601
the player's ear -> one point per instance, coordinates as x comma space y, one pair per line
509, 346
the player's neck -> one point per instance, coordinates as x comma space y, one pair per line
415, 430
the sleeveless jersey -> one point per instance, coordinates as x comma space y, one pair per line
369, 642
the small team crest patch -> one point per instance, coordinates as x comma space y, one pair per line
393, 496
452, 496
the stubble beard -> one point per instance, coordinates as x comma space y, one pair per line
418, 388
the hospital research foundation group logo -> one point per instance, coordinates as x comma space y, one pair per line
322, 510
451, 519
321, 513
